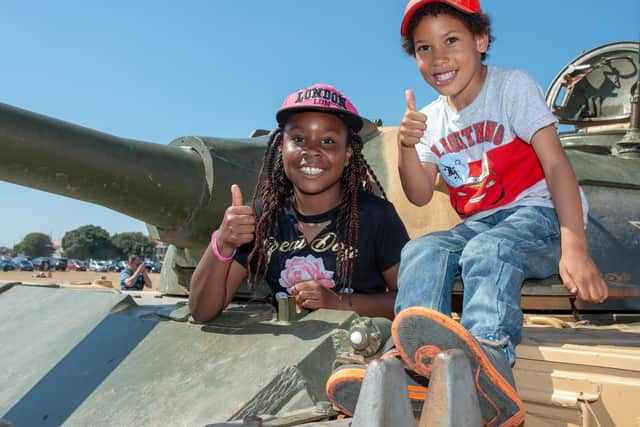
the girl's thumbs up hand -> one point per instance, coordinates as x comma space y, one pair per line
238, 224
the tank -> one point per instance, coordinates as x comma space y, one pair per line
102, 357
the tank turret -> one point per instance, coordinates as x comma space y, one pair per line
597, 93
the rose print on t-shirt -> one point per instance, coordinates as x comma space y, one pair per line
300, 269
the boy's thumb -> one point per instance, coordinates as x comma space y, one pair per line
236, 195
411, 100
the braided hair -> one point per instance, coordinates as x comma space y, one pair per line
274, 188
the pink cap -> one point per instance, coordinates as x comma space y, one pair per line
466, 6
324, 98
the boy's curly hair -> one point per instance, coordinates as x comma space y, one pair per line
274, 188
477, 23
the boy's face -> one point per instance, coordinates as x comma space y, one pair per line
449, 58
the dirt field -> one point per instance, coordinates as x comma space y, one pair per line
69, 277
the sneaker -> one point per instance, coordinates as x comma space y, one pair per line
420, 334
343, 388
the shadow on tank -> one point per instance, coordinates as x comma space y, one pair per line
103, 357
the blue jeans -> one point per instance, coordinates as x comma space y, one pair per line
492, 256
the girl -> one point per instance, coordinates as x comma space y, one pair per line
315, 229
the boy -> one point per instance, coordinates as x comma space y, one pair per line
494, 142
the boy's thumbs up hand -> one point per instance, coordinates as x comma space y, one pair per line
411, 100
238, 225
413, 124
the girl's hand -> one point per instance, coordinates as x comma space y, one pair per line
413, 124
238, 224
311, 294
581, 276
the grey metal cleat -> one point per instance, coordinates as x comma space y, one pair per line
452, 400
383, 399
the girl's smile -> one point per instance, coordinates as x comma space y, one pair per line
315, 152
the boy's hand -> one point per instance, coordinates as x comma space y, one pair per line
581, 276
413, 123
238, 224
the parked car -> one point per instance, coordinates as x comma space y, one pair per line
39, 261
76, 265
157, 267
24, 265
99, 266
115, 266
7, 265
59, 264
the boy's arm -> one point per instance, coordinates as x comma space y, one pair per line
578, 271
440, 185
417, 178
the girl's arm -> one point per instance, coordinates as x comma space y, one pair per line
215, 281
378, 305
578, 271
213, 285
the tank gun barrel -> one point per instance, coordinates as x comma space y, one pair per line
170, 187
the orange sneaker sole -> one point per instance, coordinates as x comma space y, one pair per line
343, 389
419, 334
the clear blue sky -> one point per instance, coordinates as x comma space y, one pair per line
156, 70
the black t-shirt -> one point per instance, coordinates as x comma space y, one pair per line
292, 259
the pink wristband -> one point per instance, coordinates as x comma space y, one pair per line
216, 251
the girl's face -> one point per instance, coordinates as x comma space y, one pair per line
314, 154
449, 57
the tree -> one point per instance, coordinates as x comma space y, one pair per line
133, 243
88, 241
35, 245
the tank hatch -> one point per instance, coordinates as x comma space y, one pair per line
596, 87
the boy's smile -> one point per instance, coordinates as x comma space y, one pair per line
449, 58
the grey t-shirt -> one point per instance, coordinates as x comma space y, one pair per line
484, 152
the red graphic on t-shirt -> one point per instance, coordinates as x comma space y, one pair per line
488, 132
503, 174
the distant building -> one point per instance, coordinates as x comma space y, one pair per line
160, 251
57, 248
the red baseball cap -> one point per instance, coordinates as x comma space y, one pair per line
323, 98
466, 6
